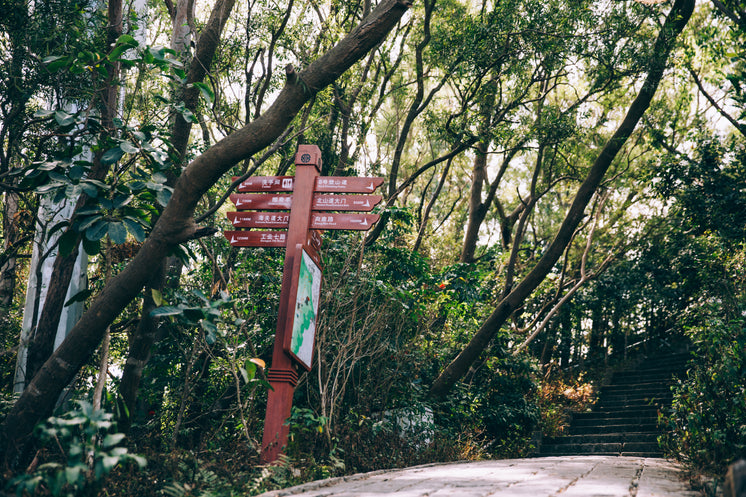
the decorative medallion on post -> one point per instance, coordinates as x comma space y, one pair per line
300, 215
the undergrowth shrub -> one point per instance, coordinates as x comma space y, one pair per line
80, 448
707, 421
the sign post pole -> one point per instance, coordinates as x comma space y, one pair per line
283, 375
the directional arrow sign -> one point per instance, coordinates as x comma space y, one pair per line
259, 219
256, 238
324, 221
261, 201
345, 202
266, 184
346, 184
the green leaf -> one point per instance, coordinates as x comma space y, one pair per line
194, 314
97, 231
72, 474
56, 62
112, 155
67, 242
163, 197
89, 189
63, 118
135, 229
159, 178
43, 113
205, 90
87, 222
157, 297
210, 331
117, 233
166, 310
113, 439
91, 247
81, 296
102, 70
109, 462
128, 147
121, 200
129, 40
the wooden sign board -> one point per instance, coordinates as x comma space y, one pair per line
264, 201
345, 202
305, 295
256, 238
266, 184
259, 219
323, 184
338, 221
346, 184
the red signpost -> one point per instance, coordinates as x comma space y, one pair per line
302, 274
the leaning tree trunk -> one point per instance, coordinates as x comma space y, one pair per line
176, 224
675, 23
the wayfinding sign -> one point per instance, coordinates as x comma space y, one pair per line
290, 212
323, 184
344, 184
319, 221
345, 202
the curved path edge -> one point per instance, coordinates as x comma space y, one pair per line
566, 476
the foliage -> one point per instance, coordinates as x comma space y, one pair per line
85, 442
707, 423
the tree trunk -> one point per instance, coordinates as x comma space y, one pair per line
675, 23
477, 208
176, 225
11, 234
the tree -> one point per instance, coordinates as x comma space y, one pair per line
674, 24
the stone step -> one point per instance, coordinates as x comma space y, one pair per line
623, 406
624, 419
638, 412
622, 437
614, 428
600, 424
653, 387
639, 380
616, 448
624, 403
658, 374
607, 397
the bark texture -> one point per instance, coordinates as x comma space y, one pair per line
674, 24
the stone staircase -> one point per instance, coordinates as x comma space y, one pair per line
624, 419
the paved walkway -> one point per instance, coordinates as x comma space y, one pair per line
567, 476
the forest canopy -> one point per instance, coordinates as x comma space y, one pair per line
564, 189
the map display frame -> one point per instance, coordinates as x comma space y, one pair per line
303, 314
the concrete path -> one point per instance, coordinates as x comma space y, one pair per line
567, 476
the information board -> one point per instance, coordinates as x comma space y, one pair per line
307, 294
